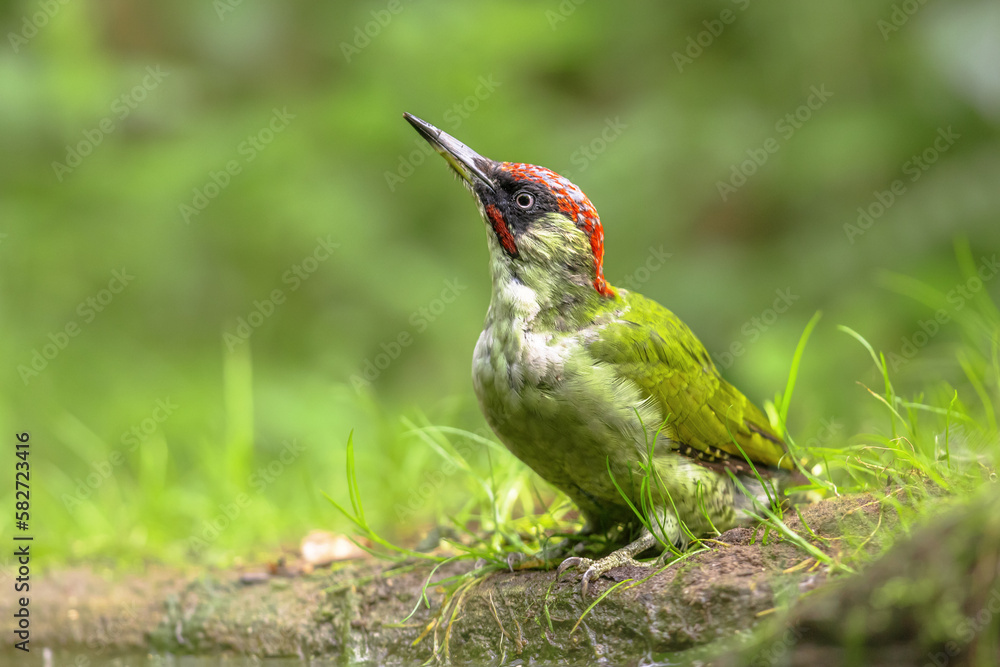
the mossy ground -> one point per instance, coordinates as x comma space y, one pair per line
355, 611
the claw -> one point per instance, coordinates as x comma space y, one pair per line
598, 568
515, 559
572, 561
591, 573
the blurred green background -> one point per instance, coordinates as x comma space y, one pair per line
213, 216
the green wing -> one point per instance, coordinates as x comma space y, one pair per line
649, 345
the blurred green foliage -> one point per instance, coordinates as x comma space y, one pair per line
216, 151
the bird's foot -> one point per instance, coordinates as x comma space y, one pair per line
594, 569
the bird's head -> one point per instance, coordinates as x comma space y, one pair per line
544, 231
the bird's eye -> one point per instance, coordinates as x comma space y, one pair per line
524, 200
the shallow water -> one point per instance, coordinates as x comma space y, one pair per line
48, 658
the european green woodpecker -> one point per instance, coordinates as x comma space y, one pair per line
597, 388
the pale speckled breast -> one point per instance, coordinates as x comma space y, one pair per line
570, 419
561, 413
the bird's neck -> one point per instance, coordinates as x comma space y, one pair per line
543, 298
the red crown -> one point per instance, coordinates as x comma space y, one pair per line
573, 203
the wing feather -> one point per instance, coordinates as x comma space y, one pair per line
653, 348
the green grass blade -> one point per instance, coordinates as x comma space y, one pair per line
861, 339
786, 396
980, 389
595, 603
352, 483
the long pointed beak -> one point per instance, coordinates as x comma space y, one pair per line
464, 160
